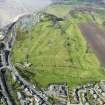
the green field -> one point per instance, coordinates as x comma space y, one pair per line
58, 10
58, 56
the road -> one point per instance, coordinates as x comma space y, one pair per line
95, 36
5, 89
5, 63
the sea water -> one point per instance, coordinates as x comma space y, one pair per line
9, 9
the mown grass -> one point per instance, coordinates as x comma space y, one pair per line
59, 57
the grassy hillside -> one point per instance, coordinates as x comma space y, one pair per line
58, 54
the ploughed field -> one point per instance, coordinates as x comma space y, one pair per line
95, 36
57, 54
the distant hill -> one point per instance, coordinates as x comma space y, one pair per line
78, 1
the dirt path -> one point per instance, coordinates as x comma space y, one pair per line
95, 36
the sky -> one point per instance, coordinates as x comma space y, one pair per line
9, 9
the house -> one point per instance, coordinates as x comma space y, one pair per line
57, 90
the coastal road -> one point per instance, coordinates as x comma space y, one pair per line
95, 37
